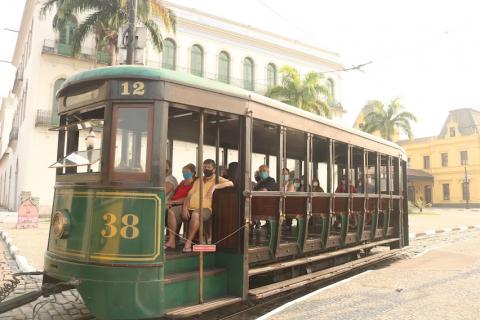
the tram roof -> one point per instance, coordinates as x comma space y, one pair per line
186, 79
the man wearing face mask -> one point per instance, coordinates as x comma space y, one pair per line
191, 206
266, 182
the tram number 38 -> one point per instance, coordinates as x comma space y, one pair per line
127, 226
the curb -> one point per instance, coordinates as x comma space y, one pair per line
21, 261
444, 230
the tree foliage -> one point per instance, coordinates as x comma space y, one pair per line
104, 18
310, 94
387, 120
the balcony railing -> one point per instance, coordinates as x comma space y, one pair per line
46, 118
66, 50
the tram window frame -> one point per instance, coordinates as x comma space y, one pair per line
296, 160
372, 173
320, 145
145, 175
269, 134
86, 121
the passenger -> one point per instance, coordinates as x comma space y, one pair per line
170, 181
175, 205
341, 188
297, 185
266, 182
316, 185
287, 182
191, 205
233, 173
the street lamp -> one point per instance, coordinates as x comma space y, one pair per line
466, 189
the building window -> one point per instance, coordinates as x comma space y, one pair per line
464, 158
169, 54
465, 191
271, 75
452, 132
446, 191
444, 159
196, 63
426, 162
224, 67
248, 74
66, 33
331, 86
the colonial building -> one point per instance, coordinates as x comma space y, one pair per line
452, 159
204, 44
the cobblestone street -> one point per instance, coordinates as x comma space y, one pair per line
67, 305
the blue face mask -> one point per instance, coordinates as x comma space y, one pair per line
263, 175
187, 175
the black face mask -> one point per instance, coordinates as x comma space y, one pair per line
207, 173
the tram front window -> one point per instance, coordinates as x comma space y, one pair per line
81, 143
130, 141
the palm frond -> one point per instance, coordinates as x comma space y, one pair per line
155, 34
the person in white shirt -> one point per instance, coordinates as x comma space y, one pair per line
170, 182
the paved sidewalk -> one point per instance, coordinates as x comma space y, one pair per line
443, 283
434, 219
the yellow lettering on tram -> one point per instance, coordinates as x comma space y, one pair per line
110, 229
138, 88
129, 226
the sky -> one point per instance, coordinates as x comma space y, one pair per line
426, 53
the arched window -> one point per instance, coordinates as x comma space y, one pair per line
331, 85
196, 63
248, 74
66, 33
271, 75
56, 87
169, 60
224, 67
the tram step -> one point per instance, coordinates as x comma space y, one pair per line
188, 311
323, 256
271, 289
184, 276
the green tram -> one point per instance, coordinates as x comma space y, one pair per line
119, 125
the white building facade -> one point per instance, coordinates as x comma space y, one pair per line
205, 45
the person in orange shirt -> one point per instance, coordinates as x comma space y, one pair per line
191, 205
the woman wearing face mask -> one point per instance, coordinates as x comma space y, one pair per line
316, 185
175, 204
287, 183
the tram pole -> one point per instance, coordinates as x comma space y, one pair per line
132, 16
200, 214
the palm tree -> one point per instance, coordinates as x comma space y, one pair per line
104, 18
310, 94
389, 120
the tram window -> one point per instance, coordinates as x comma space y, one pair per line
340, 167
396, 177
384, 174
372, 171
130, 141
82, 150
356, 173
320, 154
296, 152
265, 143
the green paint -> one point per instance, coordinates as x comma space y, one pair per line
188, 263
234, 264
325, 223
360, 226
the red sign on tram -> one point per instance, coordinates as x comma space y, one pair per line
204, 248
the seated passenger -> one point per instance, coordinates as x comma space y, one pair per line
287, 183
316, 185
342, 187
232, 173
266, 182
170, 181
175, 205
191, 205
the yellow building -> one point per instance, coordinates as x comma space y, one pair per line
453, 160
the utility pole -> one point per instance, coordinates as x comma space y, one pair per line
132, 16
466, 189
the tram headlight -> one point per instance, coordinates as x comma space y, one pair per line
61, 224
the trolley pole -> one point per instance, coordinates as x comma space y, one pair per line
132, 16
